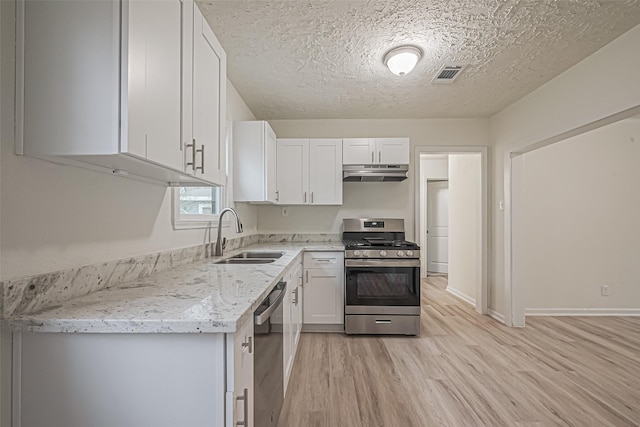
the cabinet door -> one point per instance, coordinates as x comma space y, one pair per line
392, 151
242, 386
287, 349
154, 81
299, 312
209, 100
270, 163
325, 171
293, 171
358, 151
324, 296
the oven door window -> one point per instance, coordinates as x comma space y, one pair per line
382, 286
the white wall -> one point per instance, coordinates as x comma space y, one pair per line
368, 199
56, 217
581, 95
465, 225
434, 166
580, 221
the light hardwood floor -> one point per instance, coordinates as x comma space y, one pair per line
469, 370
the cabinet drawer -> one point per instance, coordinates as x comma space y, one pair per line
323, 260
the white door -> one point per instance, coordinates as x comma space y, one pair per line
293, 171
438, 226
325, 171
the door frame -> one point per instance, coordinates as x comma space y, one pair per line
514, 304
483, 249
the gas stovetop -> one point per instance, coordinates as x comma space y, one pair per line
377, 238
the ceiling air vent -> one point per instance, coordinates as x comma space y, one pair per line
447, 74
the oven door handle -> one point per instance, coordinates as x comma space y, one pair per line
382, 263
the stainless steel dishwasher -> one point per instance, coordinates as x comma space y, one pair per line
268, 378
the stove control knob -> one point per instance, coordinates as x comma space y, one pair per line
383, 253
400, 253
356, 253
409, 253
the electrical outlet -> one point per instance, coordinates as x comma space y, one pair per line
285, 211
604, 290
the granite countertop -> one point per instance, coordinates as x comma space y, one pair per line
200, 297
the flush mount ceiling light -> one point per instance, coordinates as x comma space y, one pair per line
402, 59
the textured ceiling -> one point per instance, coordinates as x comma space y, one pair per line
308, 59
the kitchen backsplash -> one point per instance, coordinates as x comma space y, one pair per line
36, 292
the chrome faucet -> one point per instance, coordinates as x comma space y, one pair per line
220, 243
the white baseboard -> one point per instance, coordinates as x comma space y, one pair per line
497, 316
461, 295
582, 312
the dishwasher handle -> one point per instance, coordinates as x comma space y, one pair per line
262, 317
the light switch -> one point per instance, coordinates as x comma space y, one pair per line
501, 205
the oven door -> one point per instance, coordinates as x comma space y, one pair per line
372, 283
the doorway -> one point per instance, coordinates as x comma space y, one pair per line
459, 176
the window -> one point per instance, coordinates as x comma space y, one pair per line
199, 201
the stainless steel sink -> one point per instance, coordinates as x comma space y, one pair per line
235, 260
258, 255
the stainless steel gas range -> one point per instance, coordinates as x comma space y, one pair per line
382, 278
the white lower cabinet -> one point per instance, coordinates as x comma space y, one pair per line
289, 318
323, 291
240, 377
159, 380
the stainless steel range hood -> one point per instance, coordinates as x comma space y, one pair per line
374, 173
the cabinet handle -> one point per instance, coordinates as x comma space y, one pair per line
312, 197
295, 295
379, 156
372, 154
307, 274
248, 344
305, 197
201, 151
245, 398
277, 195
192, 163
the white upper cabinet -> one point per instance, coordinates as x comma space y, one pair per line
325, 171
372, 151
393, 151
209, 100
154, 82
293, 171
254, 162
358, 151
309, 171
106, 92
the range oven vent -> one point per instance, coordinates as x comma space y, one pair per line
448, 74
